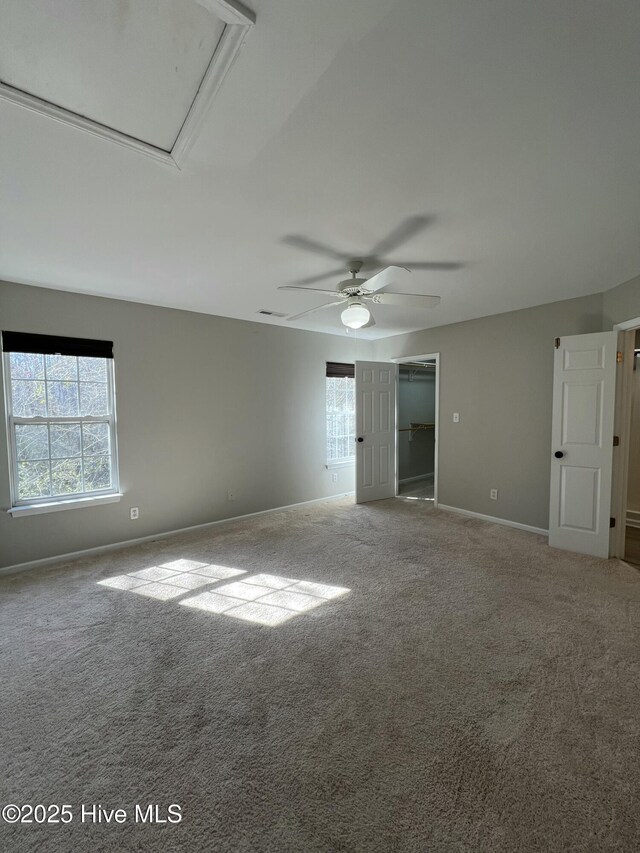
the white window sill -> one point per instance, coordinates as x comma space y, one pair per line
342, 463
56, 506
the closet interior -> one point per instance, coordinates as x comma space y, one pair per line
417, 382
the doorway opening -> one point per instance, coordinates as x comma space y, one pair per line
625, 506
416, 428
632, 520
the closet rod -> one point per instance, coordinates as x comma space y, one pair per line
418, 364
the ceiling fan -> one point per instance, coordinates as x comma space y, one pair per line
354, 292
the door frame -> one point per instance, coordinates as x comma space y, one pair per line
622, 428
431, 356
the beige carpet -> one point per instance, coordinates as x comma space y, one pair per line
473, 691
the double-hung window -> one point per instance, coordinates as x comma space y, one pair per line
341, 414
60, 407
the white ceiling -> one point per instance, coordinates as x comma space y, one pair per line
511, 126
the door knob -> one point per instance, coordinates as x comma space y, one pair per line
360, 438
558, 454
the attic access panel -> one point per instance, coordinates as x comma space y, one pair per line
138, 72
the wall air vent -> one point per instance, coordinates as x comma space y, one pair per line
266, 313
142, 74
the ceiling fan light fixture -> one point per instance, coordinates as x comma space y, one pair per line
355, 315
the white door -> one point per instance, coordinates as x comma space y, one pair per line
584, 382
375, 430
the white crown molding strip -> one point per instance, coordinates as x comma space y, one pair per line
30, 102
100, 549
227, 50
494, 520
229, 11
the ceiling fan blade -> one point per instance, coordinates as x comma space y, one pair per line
432, 265
315, 278
404, 232
407, 300
308, 289
311, 310
308, 245
385, 277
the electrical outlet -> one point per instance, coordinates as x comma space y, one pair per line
231, 496
334, 478
493, 494
134, 513
456, 417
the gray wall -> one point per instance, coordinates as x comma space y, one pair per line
417, 403
204, 404
497, 372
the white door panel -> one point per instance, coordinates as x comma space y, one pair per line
579, 488
375, 425
582, 443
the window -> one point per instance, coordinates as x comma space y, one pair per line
341, 413
61, 418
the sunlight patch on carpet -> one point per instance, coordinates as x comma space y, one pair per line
123, 582
212, 602
263, 598
219, 572
155, 573
183, 565
161, 591
267, 599
263, 614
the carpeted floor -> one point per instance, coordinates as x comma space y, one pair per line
473, 691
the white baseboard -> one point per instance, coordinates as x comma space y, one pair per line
494, 520
413, 479
88, 552
633, 518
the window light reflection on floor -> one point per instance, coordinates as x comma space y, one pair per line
263, 598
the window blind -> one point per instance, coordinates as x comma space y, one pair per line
56, 345
336, 370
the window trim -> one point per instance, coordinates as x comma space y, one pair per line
73, 503
341, 463
51, 503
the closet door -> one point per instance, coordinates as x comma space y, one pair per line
375, 430
584, 387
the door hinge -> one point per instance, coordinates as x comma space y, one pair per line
612, 522
557, 344
616, 440
619, 357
